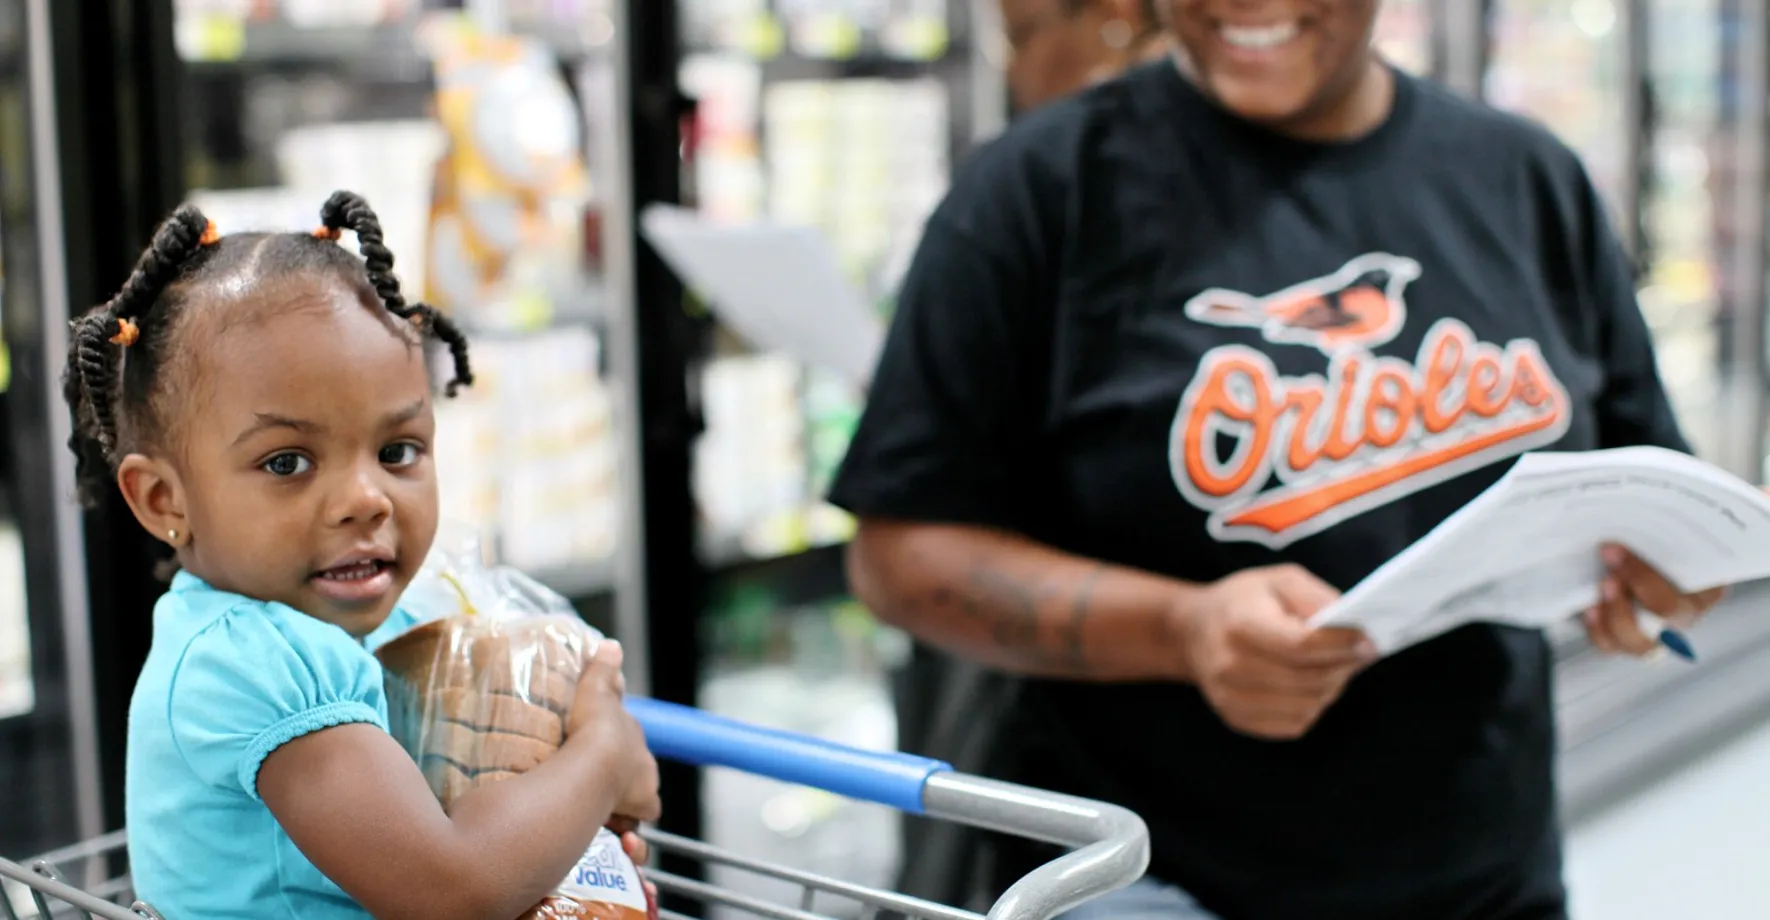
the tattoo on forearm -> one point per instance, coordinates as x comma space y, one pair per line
1079, 609
1009, 605
1012, 610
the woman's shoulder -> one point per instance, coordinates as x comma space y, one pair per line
1050, 142
1018, 184
1480, 131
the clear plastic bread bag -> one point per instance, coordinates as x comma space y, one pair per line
481, 690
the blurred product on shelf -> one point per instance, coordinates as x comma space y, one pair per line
1561, 63
728, 156
865, 160
389, 161
820, 30
511, 186
1681, 293
531, 450
730, 24
774, 434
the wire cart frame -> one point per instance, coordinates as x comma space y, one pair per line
1110, 844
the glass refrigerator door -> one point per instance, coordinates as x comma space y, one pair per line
1562, 63
463, 130
1681, 294
840, 116
49, 787
843, 116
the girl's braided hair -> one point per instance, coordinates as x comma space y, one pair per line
113, 383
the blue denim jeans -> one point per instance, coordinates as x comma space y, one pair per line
1145, 899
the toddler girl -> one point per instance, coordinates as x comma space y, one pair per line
262, 401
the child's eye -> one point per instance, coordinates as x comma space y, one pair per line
287, 465
401, 454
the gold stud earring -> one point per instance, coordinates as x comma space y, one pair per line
172, 536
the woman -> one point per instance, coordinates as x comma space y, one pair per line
1185, 355
1060, 46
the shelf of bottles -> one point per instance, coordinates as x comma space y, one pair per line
836, 114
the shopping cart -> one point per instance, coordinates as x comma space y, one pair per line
1110, 845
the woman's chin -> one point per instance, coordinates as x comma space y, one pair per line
1260, 102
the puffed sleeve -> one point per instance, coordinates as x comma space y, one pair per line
259, 677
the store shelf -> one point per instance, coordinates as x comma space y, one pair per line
381, 49
796, 579
876, 66
586, 306
386, 50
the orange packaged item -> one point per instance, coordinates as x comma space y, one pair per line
482, 692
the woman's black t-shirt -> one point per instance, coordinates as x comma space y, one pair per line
1143, 331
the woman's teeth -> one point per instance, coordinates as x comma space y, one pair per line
1259, 38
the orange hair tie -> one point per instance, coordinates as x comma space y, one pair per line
328, 233
211, 235
127, 332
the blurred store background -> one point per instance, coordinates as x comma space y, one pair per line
641, 457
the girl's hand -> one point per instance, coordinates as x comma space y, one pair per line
640, 852
599, 714
636, 848
355, 803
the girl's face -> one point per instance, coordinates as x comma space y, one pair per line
1277, 62
303, 467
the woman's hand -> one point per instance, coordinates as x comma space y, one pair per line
1630, 583
1252, 653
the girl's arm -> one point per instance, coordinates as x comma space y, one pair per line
356, 804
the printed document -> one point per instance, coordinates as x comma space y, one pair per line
1525, 552
779, 286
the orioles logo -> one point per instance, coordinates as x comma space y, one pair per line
1359, 305
1274, 458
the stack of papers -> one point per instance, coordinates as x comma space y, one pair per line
1525, 552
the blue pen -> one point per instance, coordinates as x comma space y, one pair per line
1662, 632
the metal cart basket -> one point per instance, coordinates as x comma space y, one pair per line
1110, 845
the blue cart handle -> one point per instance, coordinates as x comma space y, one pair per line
688, 735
